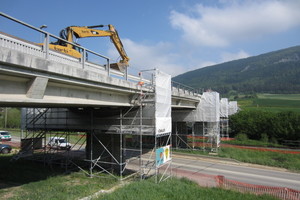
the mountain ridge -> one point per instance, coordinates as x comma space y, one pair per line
272, 72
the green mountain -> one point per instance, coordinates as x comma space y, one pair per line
274, 72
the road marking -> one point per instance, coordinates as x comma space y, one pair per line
236, 173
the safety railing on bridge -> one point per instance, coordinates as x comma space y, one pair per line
181, 88
89, 59
43, 50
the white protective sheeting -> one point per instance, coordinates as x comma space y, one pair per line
209, 107
163, 120
224, 107
233, 107
208, 110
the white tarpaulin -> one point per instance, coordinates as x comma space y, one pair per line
208, 110
209, 107
233, 107
163, 121
224, 107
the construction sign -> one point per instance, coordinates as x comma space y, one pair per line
163, 155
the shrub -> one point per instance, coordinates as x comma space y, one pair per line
264, 137
241, 137
262, 125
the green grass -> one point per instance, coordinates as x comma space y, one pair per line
22, 171
272, 102
70, 187
173, 189
277, 103
279, 96
30, 180
267, 158
253, 143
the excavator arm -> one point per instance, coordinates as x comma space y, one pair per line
72, 32
90, 31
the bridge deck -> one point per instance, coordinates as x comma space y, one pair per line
30, 77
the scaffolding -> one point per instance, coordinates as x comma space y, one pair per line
199, 128
38, 126
224, 126
143, 130
122, 142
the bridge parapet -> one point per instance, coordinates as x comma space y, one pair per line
27, 59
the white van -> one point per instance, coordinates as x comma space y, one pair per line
59, 143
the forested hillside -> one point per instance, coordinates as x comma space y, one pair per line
274, 72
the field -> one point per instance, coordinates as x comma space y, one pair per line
280, 96
272, 102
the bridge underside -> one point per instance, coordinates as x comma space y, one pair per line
108, 120
107, 138
22, 87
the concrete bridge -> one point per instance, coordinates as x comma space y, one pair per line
70, 95
33, 75
117, 110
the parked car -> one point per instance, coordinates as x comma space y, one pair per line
5, 148
4, 135
59, 143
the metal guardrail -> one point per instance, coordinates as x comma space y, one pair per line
46, 53
186, 89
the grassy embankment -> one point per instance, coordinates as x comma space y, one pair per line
271, 102
267, 158
174, 189
256, 143
29, 180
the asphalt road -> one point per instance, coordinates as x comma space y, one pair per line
242, 172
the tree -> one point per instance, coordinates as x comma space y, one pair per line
260, 125
13, 119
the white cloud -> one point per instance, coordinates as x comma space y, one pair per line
144, 57
236, 20
201, 64
227, 56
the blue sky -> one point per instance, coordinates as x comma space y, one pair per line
174, 36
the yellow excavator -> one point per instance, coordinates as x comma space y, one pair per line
89, 31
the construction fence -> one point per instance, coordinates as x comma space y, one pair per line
206, 180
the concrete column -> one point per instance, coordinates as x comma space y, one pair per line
37, 87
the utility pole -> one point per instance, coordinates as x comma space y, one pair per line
5, 118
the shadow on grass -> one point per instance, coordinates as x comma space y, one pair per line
16, 173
